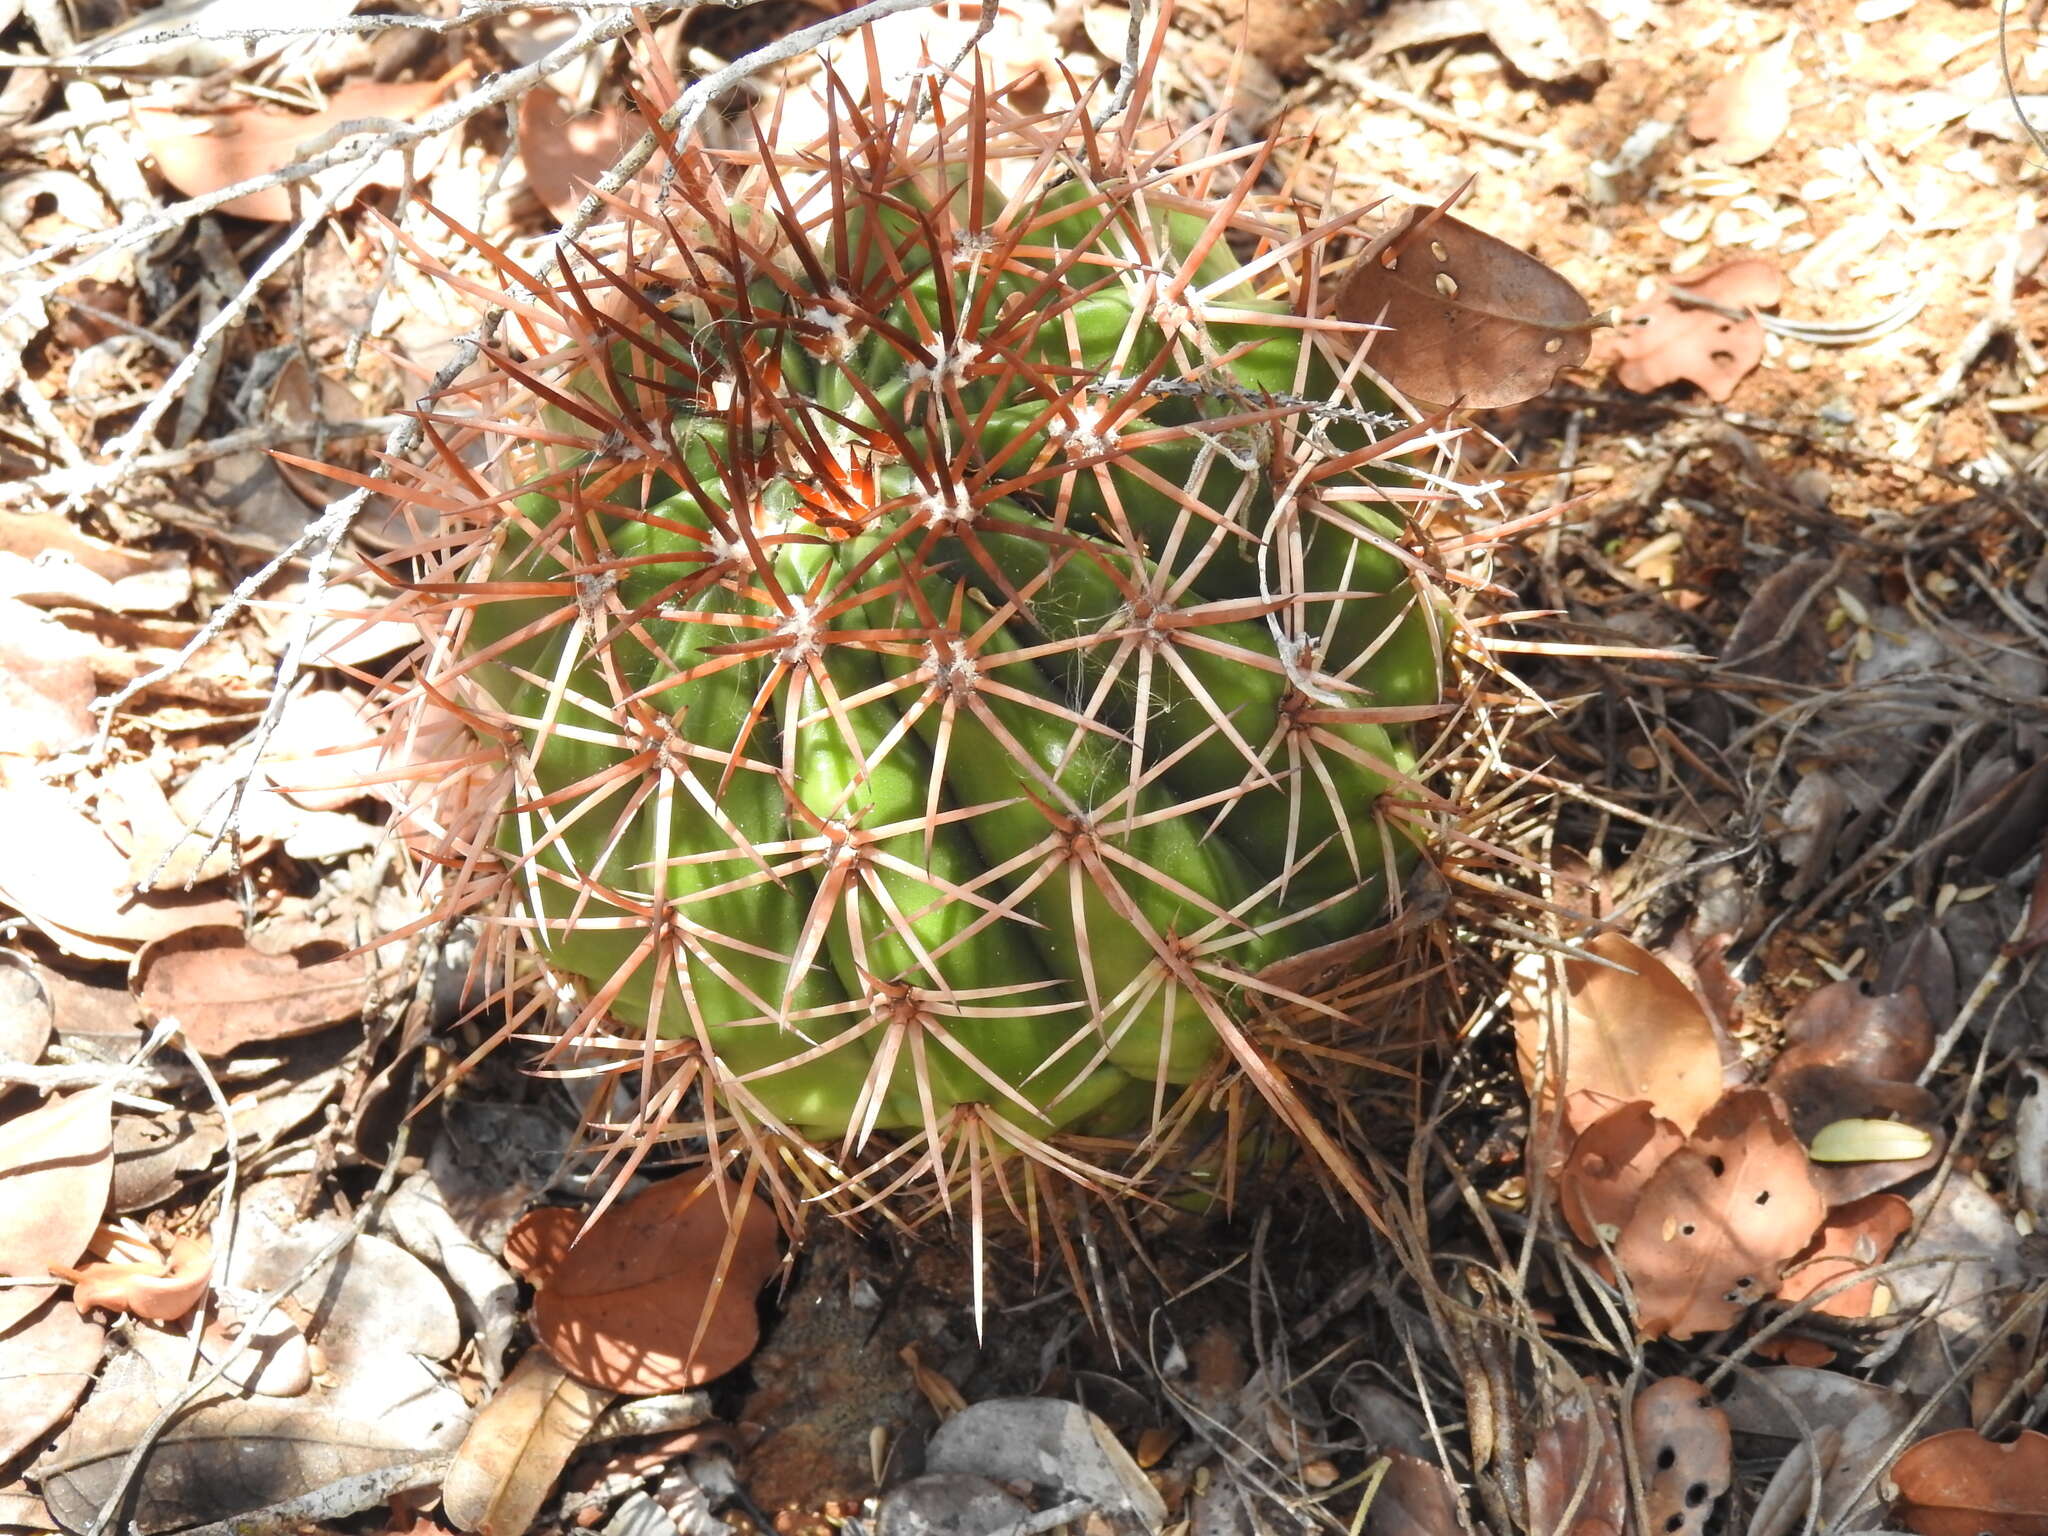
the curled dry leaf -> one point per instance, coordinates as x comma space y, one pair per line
163, 1291
658, 1294
1695, 339
517, 1446
1686, 1456
1748, 109
1471, 321
1854, 1237
203, 152
1960, 1484
1612, 1160
46, 1363
1628, 1028
1716, 1225
1581, 1443
224, 992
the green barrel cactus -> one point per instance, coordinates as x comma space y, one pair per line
935, 619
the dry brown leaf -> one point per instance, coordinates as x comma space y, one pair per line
276, 1362
1629, 1030
1747, 110
56, 1168
45, 559
1609, 1165
107, 1016
323, 750
517, 1446
1672, 340
26, 1011
1960, 1484
539, 1241
1854, 1237
224, 992
1716, 1225
1471, 320
46, 684
1416, 1498
1686, 1457
1817, 1096
1842, 1025
46, 1363
163, 1291
622, 1309
2035, 934
565, 150
22, 1510
1579, 1435
1796, 1350
349, 631
164, 854
202, 152
59, 870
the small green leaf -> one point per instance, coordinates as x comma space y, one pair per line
1869, 1141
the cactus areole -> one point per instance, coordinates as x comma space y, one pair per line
937, 626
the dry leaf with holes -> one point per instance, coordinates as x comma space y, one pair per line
658, 1293
1960, 1484
202, 152
1684, 1452
1748, 109
1471, 321
1716, 1225
162, 1289
1580, 1444
224, 992
1706, 333
1612, 1160
1626, 1028
1854, 1237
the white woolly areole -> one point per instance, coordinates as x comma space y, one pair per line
951, 358
947, 507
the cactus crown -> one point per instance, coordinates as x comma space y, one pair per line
925, 643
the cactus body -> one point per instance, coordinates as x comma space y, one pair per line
941, 647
